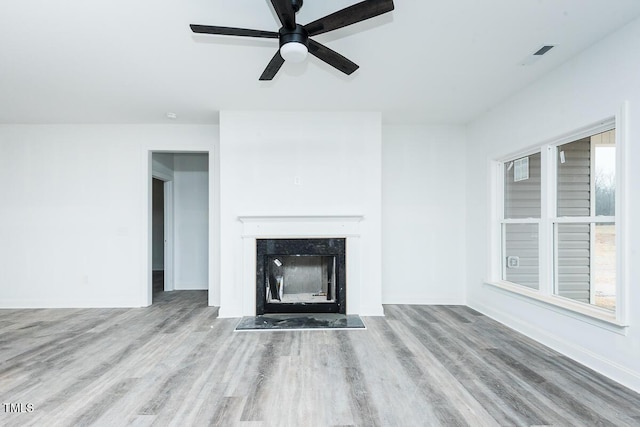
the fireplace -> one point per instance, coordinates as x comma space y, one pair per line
301, 276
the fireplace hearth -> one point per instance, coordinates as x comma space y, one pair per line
300, 276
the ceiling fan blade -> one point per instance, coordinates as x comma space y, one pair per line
231, 31
285, 12
350, 15
331, 57
273, 67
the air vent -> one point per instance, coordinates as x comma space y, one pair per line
537, 54
543, 50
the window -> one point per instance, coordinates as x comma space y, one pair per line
557, 222
584, 227
521, 221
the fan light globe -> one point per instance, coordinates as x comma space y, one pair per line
294, 52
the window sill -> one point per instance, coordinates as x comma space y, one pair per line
576, 310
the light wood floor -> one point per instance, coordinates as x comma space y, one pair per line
175, 363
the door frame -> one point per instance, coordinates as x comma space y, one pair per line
212, 150
169, 260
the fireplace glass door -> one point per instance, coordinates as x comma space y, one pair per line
300, 279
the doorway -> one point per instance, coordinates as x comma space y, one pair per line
179, 225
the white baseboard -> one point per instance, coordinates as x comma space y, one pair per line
621, 374
376, 310
46, 303
229, 314
421, 300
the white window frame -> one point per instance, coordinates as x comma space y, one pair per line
545, 296
594, 145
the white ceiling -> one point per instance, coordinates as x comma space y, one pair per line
132, 61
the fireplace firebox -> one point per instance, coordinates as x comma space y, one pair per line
300, 276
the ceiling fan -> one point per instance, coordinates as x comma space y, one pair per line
294, 39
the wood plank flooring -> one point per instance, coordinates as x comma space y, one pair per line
176, 363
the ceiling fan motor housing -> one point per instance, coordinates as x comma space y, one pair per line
296, 4
296, 35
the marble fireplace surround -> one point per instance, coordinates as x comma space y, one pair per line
302, 226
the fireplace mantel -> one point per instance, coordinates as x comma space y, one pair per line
300, 225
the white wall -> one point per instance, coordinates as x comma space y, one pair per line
74, 211
423, 215
335, 158
191, 217
591, 87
